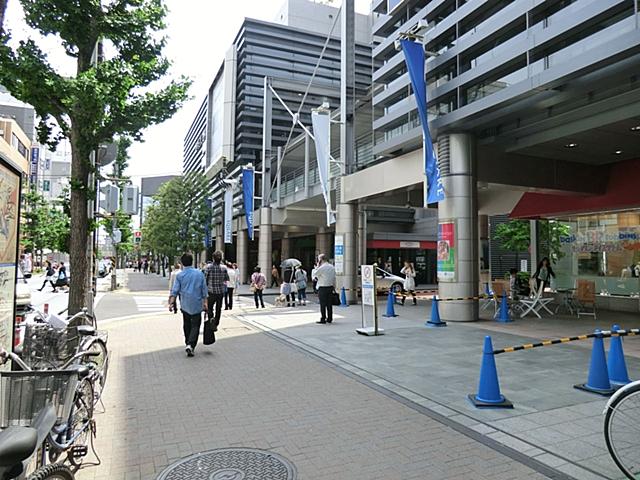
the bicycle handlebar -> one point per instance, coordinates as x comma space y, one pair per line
6, 356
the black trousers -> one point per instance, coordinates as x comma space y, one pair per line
215, 300
258, 295
228, 299
191, 326
326, 307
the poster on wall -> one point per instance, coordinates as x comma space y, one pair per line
9, 217
447, 251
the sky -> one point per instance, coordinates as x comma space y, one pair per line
199, 32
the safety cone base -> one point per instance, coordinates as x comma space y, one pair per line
431, 324
504, 320
586, 388
480, 404
390, 316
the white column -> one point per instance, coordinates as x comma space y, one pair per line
242, 255
286, 246
460, 208
219, 238
265, 241
322, 242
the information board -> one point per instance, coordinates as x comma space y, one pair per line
368, 289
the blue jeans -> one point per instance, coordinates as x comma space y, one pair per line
302, 294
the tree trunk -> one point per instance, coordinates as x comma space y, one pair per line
3, 9
80, 235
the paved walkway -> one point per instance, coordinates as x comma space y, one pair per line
252, 390
552, 422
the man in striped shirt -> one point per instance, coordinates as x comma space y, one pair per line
216, 275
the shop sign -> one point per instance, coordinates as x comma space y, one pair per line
447, 251
602, 240
10, 214
409, 244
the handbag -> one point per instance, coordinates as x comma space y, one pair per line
208, 336
335, 299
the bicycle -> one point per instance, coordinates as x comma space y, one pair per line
49, 342
24, 435
74, 430
622, 429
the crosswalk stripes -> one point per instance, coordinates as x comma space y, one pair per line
150, 304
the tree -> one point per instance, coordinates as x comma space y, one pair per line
176, 220
515, 236
113, 96
46, 225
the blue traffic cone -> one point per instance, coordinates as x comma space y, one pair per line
598, 381
489, 395
617, 368
435, 316
343, 298
391, 312
504, 310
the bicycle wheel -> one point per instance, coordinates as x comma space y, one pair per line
100, 364
622, 432
81, 423
55, 471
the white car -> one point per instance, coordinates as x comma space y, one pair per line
386, 281
23, 293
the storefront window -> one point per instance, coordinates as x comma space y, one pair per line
604, 248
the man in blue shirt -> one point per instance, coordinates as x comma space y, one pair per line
191, 287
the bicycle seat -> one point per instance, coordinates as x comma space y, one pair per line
86, 330
17, 444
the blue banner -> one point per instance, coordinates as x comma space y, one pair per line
247, 196
414, 57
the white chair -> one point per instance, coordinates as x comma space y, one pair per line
535, 302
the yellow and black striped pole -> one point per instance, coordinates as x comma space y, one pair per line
546, 343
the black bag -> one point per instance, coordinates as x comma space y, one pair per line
335, 299
209, 336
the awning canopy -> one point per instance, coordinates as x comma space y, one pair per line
623, 193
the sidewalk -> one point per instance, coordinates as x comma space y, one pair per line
251, 390
551, 422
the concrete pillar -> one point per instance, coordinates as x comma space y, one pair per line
219, 238
242, 255
362, 235
346, 227
533, 247
265, 246
322, 242
460, 209
285, 251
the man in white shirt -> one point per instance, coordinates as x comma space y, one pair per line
326, 278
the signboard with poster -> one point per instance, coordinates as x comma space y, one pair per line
368, 284
447, 255
9, 220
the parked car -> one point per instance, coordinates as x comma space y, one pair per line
386, 281
23, 293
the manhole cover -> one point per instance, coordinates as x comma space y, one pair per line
231, 464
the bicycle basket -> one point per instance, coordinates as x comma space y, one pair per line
48, 347
24, 394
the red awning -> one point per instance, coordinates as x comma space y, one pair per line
623, 193
401, 244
